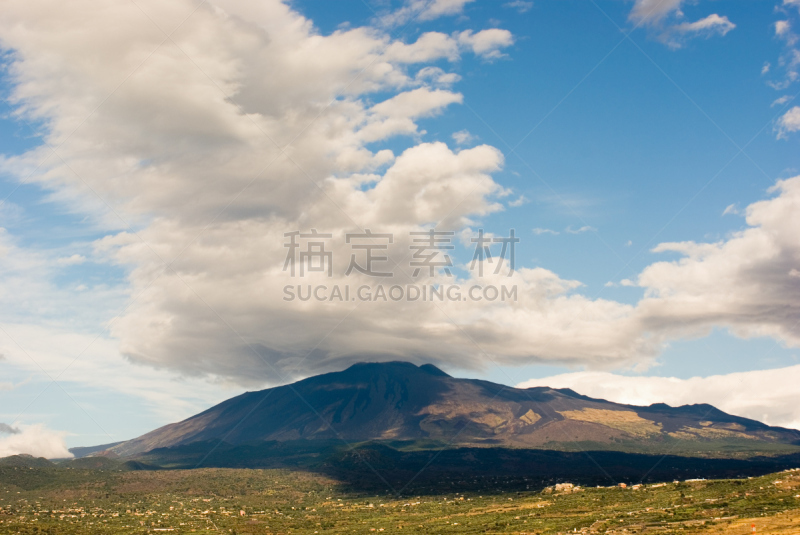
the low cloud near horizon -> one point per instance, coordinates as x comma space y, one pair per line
769, 396
36, 440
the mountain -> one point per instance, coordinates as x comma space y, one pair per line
24, 460
81, 452
422, 406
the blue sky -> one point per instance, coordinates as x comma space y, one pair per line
617, 132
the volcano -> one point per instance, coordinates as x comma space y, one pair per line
399, 402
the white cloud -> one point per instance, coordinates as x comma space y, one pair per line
781, 101
769, 396
581, 230
782, 28
653, 11
789, 122
72, 260
437, 76
742, 283
765, 68
462, 137
424, 10
432, 46
539, 231
520, 5
468, 234
487, 43
34, 440
709, 25
730, 209
665, 17
438, 8
397, 115
789, 61
519, 201
429, 46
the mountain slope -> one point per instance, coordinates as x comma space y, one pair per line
80, 452
399, 401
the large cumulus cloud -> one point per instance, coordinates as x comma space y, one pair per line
198, 136
749, 283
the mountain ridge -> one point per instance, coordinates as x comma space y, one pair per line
401, 401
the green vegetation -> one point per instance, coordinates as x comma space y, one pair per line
68, 500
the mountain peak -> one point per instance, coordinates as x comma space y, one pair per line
433, 370
396, 366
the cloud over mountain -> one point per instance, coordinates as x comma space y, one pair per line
198, 135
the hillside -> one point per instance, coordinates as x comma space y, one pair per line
399, 401
25, 461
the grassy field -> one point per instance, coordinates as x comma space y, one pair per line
216, 500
